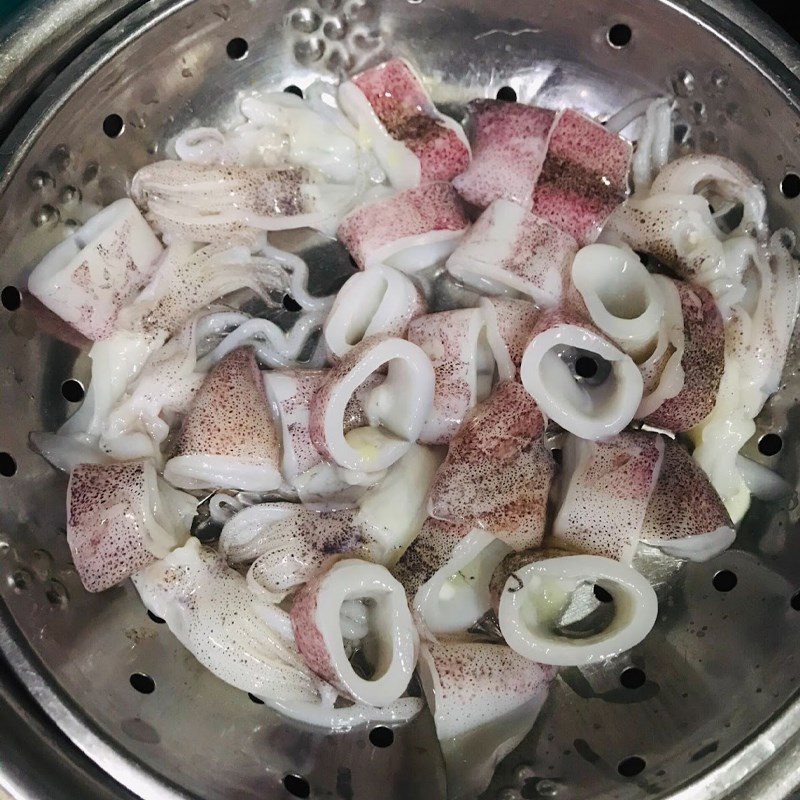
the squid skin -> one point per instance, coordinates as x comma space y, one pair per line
510, 250
605, 490
484, 699
228, 439
702, 362
509, 143
413, 142
92, 274
584, 176
509, 325
456, 343
409, 231
497, 473
120, 518
317, 628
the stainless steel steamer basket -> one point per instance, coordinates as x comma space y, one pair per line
719, 711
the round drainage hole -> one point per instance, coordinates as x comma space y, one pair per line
601, 594
290, 304
8, 466
790, 185
633, 678
795, 601
156, 618
237, 48
143, 684
585, 367
506, 93
619, 35
725, 580
11, 298
292, 89
72, 390
113, 126
631, 766
381, 736
257, 700
770, 444
296, 785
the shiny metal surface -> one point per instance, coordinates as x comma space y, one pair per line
719, 713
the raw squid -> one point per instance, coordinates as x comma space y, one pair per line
287, 544
390, 513
396, 409
446, 574
509, 143
584, 176
578, 378
536, 595
93, 273
653, 145
381, 300
413, 142
228, 439
484, 699
120, 518
458, 347
605, 490
290, 393
510, 250
409, 231
212, 203
391, 643
198, 595
509, 325
498, 471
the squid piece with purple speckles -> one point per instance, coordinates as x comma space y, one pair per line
498, 471
413, 142
638, 487
386, 635
484, 699
584, 176
211, 203
409, 231
396, 409
120, 518
93, 273
228, 439
378, 301
509, 143
578, 378
510, 251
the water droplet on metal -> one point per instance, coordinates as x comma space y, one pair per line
683, 83
305, 20
699, 111
5, 549
335, 29
187, 73
524, 772
56, 594
719, 79
508, 794
41, 563
39, 179
61, 157
309, 50
46, 215
20, 580
547, 788
70, 194
90, 173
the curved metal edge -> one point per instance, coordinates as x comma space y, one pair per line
763, 768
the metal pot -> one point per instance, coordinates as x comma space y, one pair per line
718, 714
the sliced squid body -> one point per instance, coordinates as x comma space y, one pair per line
396, 117
409, 231
94, 272
396, 409
120, 518
211, 203
391, 643
606, 487
594, 406
228, 439
509, 325
391, 513
446, 574
484, 699
509, 143
287, 544
457, 345
536, 595
378, 301
584, 176
497, 472
510, 250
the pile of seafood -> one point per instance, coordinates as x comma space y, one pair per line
539, 376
